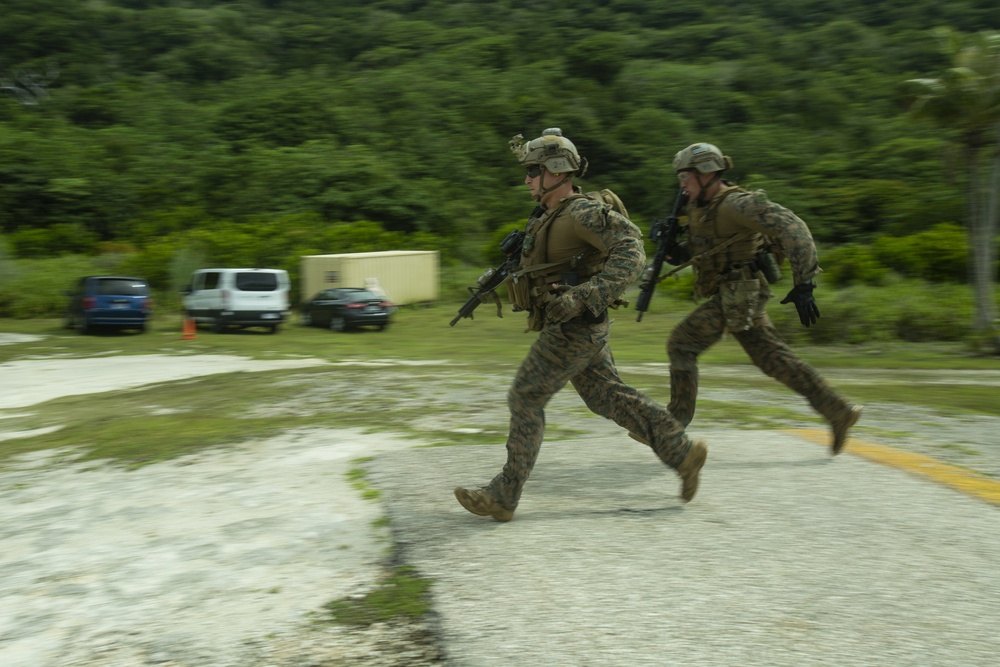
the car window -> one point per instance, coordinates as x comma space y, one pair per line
364, 295
257, 282
122, 287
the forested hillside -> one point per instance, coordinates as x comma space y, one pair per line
261, 128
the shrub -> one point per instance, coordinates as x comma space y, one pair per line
852, 264
62, 239
910, 310
37, 287
938, 254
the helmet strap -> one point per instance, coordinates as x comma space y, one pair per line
542, 190
716, 176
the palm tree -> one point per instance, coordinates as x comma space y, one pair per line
966, 98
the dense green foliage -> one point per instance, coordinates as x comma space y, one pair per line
254, 131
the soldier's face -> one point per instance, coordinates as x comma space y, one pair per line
690, 182
532, 178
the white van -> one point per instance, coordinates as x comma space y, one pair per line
237, 297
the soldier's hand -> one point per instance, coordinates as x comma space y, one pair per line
677, 253
802, 297
564, 307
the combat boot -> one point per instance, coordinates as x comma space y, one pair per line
690, 467
481, 502
841, 425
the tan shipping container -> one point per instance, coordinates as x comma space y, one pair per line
405, 276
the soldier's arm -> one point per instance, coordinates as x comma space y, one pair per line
771, 219
622, 240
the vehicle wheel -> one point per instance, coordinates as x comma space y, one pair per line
272, 328
306, 320
217, 326
338, 324
382, 327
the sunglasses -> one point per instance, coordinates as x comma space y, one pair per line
684, 175
533, 171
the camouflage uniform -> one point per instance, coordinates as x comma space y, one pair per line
737, 294
577, 351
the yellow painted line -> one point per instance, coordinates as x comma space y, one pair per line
957, 478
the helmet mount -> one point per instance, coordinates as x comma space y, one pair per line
554, 152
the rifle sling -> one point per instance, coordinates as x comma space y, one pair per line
535, 269
708, 253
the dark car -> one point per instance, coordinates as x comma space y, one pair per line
345, 308
118, 302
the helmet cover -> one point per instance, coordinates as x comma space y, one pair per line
551, 150
702, 157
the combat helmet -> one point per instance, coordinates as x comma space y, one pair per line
702, 157
551, 150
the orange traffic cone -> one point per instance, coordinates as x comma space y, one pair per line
189, 329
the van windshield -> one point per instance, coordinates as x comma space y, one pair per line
257, 282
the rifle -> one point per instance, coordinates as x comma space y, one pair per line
664, 232
493, 278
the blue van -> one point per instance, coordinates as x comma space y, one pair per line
120, 302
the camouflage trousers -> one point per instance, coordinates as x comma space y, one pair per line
705, 326
577, 352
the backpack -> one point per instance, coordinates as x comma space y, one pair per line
611, 199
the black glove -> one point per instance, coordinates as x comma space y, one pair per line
677, 253
802, 297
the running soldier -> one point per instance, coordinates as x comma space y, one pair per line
735, 238
579, 255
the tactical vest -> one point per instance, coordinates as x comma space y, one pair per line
554, 254
711, 227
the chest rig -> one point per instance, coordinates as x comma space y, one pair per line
721, 246
552, 254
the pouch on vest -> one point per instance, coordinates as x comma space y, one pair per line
519, 291
740, 303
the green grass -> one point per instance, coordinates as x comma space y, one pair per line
422, 333
961, 449
402, 594
950, 399
455, 395
356, 476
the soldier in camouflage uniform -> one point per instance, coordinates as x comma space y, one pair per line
579, 256
730, 233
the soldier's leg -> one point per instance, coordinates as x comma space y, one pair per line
557, 355
695, 334
773, 356
604, 392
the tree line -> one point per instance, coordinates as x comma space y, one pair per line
132, 123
